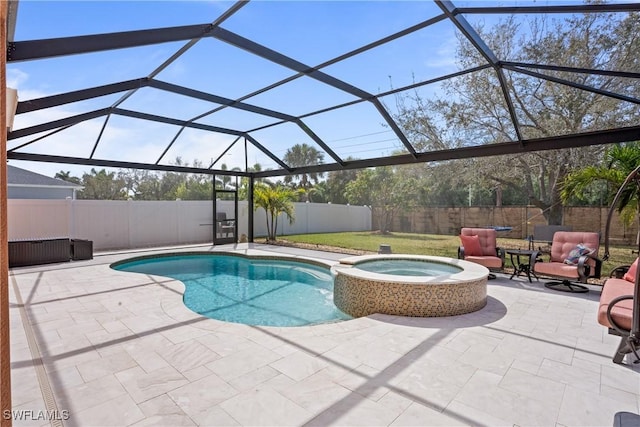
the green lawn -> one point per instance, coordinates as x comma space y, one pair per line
432, 244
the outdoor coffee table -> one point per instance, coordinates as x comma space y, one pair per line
521, 260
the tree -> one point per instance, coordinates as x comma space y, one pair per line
620, 160
243, 191
169, 184
145, 185
473, 107
336, 184
133, 182
274, 200
387, 190
102, 185
195, 187
301, 155
319, 193
66, 176
226, 182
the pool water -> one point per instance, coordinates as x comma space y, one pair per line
406, 267
250, 291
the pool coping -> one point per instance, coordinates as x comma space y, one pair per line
317, 262
470, 271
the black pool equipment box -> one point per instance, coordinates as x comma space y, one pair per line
46, 251
81, 249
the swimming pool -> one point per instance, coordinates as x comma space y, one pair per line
253, 291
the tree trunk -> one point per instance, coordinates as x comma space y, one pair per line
266, 212
274, 222
378, 214
385, 220
554, 214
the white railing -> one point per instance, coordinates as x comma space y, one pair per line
114, 224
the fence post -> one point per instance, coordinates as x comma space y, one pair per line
129, 222
71, 219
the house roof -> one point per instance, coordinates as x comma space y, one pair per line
17, 177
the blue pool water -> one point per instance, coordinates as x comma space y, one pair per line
250, 291
408, 267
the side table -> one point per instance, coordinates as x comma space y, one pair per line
522, 260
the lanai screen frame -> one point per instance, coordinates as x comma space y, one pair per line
39, 49
49, 48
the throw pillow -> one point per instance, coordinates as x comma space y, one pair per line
630, 276
576, 253
471, 245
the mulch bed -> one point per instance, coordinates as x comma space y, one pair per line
316, 247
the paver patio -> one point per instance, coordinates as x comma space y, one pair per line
117, 348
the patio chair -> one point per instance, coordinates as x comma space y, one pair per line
619, 308
224, 226
479, 245
543, 233
616, 308
573, 258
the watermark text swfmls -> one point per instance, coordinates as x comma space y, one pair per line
35, 415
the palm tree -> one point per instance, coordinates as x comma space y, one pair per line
619, 161
301, 155
226, 182
244, 181
63, 175
274, 200
320, 192
66, 176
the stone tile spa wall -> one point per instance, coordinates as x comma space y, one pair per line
359, 293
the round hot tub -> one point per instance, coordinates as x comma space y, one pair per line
409, 285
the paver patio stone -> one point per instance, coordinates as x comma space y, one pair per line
129, 352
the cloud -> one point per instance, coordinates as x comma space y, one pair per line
16, 78
445, 55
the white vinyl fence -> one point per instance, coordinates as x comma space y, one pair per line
118, 224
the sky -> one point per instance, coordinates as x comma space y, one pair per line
310, 32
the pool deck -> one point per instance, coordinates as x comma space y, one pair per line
114, 348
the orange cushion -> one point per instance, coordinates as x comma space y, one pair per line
560, 269
471, 245
630, 276
622, 313
487, 261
